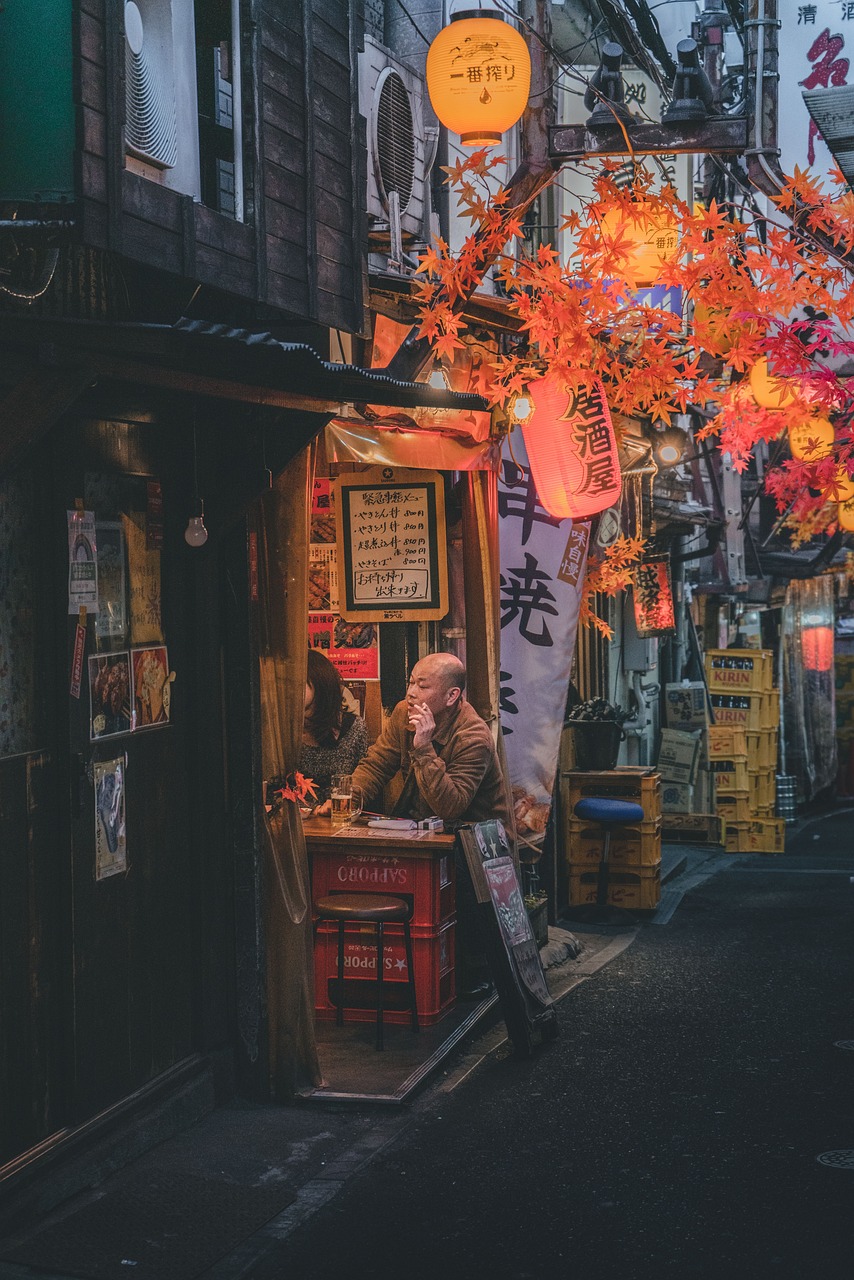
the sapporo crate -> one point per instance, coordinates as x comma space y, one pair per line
731, 774
728, 742
638, 784
426, 883
433, 955
739, 670
739, 710
640, 844
636, 888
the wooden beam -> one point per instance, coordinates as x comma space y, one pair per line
34, 404
710, 137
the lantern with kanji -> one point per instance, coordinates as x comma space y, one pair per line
653, 236
655, 614
811, 439
771, 392
571, 446
845, 514
478, 76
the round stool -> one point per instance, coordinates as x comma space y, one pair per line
609, 814
379, 909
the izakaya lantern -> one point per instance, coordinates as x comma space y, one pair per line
571, 447
654, 234
811, 431
844, 485
478, 77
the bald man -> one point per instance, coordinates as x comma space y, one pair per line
442, 748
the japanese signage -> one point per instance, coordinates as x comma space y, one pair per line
392, 553
543, 560
572, 448
653, 598
82, 562
352, 647
814, 42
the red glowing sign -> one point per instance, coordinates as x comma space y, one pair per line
653, 597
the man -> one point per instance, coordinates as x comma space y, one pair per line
442, 748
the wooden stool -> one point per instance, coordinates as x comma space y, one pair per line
380, 909
609, 814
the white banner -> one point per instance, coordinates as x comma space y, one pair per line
543, 562
816, 44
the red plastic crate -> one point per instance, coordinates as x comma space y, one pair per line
433, 956
428, 884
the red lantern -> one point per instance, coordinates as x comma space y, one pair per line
817, 648
571, 447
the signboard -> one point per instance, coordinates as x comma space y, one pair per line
512, 951
653, 598
814, 50
352, 647
392, 550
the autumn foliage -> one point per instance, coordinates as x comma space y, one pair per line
756, 284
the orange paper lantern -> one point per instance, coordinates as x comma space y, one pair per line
572, 448
478, 77
818, 431
845, 515
654, 234
844, 485
770, 392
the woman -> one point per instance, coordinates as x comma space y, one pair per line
333, 740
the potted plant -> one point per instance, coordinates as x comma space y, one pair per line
597, 730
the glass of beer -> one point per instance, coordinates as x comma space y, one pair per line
342, 797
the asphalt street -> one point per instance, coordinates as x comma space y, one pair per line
695, 1118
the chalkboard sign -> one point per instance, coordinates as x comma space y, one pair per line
512, 951
392, 548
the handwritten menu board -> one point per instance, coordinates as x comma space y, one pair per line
392, 549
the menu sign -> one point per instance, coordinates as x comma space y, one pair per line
392, 552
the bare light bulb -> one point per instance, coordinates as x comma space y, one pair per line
438, 378
195, 534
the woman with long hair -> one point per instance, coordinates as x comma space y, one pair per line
334, 740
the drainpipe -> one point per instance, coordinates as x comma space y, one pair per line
762, 104
237, 107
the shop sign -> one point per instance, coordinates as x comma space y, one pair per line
814, 50
653, 598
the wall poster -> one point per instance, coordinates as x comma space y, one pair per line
353, 647
109, 695
110, 831
152, 686
392, 547
82, 562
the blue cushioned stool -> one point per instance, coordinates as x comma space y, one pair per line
609, 814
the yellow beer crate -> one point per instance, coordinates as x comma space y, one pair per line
635, 888
766, 835
736, 840
728, 742
740, 710
639, 784
733, 807
731, 774
639, 845
739, 670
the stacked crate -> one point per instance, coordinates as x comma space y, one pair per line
687, 783
743, 747
428, 885
634, 858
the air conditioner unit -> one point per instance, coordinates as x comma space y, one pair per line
161, 111
391, 98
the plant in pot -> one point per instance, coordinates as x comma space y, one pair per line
597, 730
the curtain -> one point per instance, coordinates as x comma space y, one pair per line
283, 595
809, 709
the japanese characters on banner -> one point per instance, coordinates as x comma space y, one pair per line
353, 647
653, 597
814, 53
543, 561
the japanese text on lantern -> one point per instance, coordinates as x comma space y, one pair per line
587, 413
392, 546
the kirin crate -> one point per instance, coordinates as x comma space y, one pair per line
640, 844
638, 784
428, 884
634, 888
433, 956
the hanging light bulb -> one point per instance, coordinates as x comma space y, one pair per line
195, 534
521, 407
438, 378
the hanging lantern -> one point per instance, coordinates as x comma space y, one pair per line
571, 447
845, 515
816, 431
478, 76
770, 392
817, 648
655, 614
843, 484
654, 235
